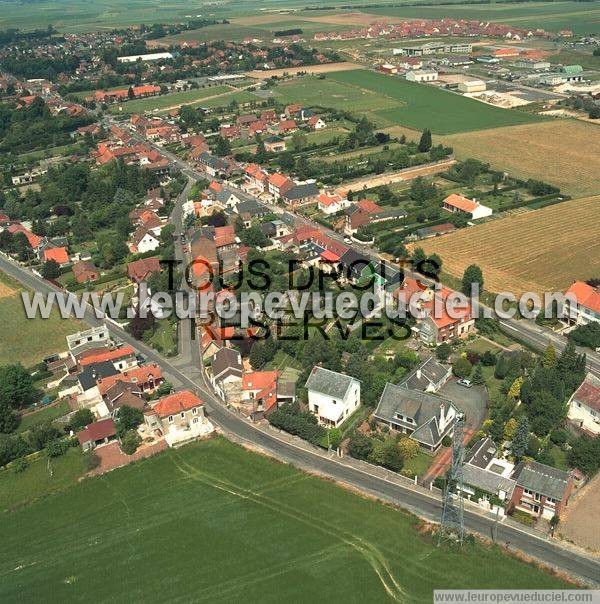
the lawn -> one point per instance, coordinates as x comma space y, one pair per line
418, 464
241, 97
173, 99
422, 106
164, 338
44, 414
218, 522
36, 482
29, 340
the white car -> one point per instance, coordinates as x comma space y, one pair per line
465, 383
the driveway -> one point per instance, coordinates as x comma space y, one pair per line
471, 401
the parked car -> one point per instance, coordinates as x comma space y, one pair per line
465, 383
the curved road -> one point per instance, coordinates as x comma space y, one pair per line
185, 371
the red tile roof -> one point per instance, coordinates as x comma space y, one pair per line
97, 356
138, 270
176, 403
589, 392
58, 254
586, 295
105, 428
464, 204
34, 240
138, 375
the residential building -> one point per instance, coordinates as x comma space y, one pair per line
583, 304
540, 490
332, 396
122, 394
154, 56
331, 203
429, 376
140, 270
143, 241
97, 433
279, 184
179, 417
274, 144
227, 371
85, 271
425, 417
87, 382
430, 48
584, 405
300, 193
90, 338
455, 204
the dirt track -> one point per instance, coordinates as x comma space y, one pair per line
325, 68
386, 179
577, 525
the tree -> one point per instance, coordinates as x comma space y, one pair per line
130, 441
50, 269
425, 142
409, 448
510, 428
462, 367
335, 438
360, 446
222, 146
130, 93
520, 442
472, 274
443, 351
9, 420
17, 389
129, 418
79, 420
514, 391
392, 457
585, 454
42, 434
549, 356
478, 376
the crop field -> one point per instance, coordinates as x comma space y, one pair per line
540, 250
167, 101
565, 153
422, 106
28, 340
224, 524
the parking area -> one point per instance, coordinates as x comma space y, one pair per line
471, 401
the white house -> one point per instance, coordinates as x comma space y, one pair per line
584, 307
331, 203
455, 203
332, 396
584, 405
422, 75
143, 241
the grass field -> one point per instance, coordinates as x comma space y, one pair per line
215, 521
24, 340
536, 251
44, 414
421, 106
165, 101
565, 153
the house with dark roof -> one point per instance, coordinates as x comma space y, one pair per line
352, 264
227, 371
87, 379
429, 376
301, 193
332, 396
123, 394
540, 490
584, 405
425, 417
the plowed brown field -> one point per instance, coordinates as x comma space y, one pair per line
537, 251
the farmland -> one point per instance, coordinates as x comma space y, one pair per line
224, 524
165, 101
24, 340
565, 153
538, 251
421, 106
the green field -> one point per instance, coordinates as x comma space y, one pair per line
29, 340
212, 522
165, 101
420, 106
241, 97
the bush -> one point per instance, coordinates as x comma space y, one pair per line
443, 351
20, 465
130, 442
92, 461
488, 358
304, 424
360, 446
446, 441
57, 447
462, 368
587, 335
79, 420
559, 437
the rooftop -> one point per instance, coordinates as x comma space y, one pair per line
330, 383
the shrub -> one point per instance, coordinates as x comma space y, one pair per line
57, 447
488, 358
20, 465
92, 461
360, 446
462, 368
443, 351
130, 442
446, 441
304, 424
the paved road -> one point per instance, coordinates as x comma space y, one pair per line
185, 372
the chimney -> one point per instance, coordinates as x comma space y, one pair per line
442, 421
419, 373
94, 374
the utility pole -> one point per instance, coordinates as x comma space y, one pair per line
452, 523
